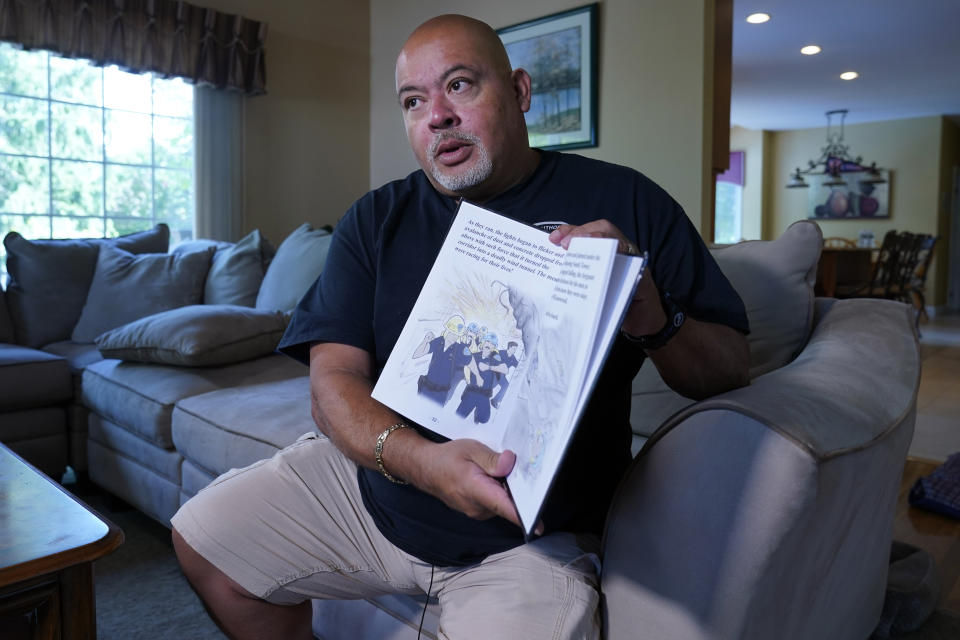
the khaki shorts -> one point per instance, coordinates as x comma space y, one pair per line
294, 527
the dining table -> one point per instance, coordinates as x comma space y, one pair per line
844, 267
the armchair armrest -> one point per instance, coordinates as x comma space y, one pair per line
766, 512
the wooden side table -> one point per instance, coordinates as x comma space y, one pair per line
48, 542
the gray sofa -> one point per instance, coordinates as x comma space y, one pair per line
765, 512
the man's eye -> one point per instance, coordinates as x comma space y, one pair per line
411, 103
459, 85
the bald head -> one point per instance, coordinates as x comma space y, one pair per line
479, 36
463, 107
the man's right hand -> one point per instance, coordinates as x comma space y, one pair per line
468, 476
465, 474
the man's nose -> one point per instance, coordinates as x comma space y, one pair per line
443, 115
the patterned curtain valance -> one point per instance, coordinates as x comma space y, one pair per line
170, 38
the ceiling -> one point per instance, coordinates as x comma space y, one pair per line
907, 53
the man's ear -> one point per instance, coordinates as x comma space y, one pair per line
521, 85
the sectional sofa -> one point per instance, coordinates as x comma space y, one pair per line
763, 512
202, 317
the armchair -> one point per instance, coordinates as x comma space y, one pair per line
767, 512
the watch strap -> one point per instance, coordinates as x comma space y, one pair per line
676, 316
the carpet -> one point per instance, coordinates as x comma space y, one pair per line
942, 625
141, 592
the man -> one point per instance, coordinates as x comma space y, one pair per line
388, 507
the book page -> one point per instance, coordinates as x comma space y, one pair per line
501, 345
534, 434
624, 277
623, 280
473, 333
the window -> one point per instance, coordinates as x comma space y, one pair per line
728, 216
90, 152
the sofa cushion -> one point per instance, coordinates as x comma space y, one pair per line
49, 280
196, 335
235, 427
297, 264
128, 287
192, 479
165, 462
140, 397
6, 324
141, 486
39, 436
78, 355
237, 269
31, 378
775, 280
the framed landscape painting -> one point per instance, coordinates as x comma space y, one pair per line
559, 52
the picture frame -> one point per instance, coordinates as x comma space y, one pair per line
860, 198
559, 51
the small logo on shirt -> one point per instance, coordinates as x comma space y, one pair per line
547, 226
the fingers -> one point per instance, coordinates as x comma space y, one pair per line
495, 465
495, 496
505, 462
471, 480
495, 499
563, 234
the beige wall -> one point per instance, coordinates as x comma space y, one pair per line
910, 148
653, 61
751, 142
306, 154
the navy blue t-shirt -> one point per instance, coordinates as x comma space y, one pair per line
380, 255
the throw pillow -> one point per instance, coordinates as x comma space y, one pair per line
199, 245
296, 265
127, 287
196, 336
775, 280
237, 271
49, 280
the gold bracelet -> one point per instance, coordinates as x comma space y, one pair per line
378, 450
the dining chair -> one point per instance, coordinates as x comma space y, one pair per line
916, 287
836, 242
908, 254
881, 273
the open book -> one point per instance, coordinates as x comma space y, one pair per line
506, 342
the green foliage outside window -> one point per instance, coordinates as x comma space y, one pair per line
91, 152
728, 213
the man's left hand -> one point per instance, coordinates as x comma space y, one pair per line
645, 315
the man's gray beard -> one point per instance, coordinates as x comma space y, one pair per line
480, 171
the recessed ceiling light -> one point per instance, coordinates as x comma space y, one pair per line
810, 50
849, 75
758, 18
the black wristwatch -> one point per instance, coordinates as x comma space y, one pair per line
675, 318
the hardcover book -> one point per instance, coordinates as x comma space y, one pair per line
506, 340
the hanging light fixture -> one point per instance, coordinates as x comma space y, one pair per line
835, 160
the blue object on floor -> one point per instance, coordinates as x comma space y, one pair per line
939, 491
